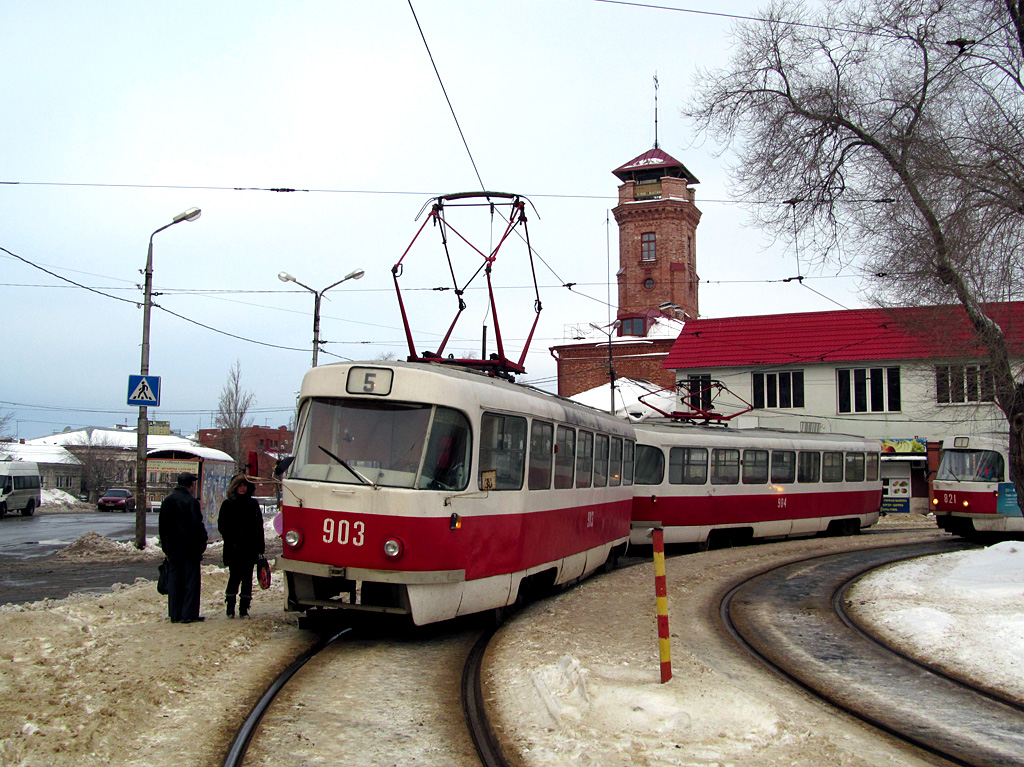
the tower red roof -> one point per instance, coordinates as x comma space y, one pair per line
653, 162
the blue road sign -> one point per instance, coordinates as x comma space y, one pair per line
144, 390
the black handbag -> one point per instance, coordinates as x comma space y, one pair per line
161, 582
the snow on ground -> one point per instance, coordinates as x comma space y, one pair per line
963, 611
594, 697
57, 498
573, 680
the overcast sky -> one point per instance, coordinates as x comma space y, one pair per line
118, 116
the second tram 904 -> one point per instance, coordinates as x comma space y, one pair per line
720, 487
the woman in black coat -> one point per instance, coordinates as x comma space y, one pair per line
241, 524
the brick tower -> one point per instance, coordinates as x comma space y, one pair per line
657, 221
657, 278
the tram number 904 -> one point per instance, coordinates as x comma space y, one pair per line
343, 532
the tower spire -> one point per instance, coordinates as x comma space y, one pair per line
656, 110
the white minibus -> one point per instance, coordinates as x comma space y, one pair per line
19, 487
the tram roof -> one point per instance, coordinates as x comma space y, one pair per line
922, 332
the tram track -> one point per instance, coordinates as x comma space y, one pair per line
398, 708
792, 618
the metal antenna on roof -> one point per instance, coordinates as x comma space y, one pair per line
655, 110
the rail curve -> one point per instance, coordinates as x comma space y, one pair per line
790, 618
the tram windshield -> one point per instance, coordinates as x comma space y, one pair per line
360, 442
971, 466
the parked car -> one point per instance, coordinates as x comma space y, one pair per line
117, 499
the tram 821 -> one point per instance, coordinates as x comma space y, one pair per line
971, 494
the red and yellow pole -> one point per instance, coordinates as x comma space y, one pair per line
661, 597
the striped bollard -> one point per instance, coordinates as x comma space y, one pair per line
661, 595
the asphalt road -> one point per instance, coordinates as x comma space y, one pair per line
28, 572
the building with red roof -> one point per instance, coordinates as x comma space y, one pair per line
908, 376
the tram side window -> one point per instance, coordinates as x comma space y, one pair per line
627, 462
832, 467
585, 459
650, 465
601, 460
541, 450
725, 466
872, 467
503, 449
615, 466
855, 467
809, 466
783, 466
688, 465
755, 467
565, 457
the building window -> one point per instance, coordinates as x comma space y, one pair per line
632, 326
863, 390
698, 392
647, 252
784, 389
964, 383
649, 283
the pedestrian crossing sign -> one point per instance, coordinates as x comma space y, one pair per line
144, 391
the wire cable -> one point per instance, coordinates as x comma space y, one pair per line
444, 90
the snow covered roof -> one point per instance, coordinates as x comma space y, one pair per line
37, 453
838, 336
627, 398
128, 439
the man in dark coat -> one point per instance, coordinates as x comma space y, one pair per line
183, 540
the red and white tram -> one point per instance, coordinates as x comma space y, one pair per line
433, 491
712, 486
971, 493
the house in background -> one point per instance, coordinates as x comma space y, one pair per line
262, 447
58, 468
908, 376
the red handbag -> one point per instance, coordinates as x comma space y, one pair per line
263, 572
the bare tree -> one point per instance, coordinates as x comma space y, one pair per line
232, 414
6, 419
890, 132
105, 463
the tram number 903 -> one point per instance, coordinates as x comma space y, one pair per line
343, 532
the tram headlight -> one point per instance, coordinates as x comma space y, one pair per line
293, 538
393, 548
935, 501
966, 504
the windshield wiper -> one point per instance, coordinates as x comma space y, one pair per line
354, 473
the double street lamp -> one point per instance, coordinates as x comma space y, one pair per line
141, 502
611, 368
317, 296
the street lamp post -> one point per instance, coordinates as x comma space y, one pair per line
142, 432
317, 296
611, 368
